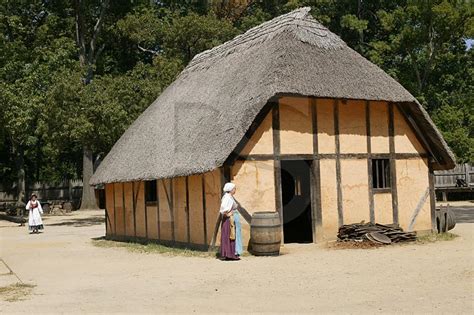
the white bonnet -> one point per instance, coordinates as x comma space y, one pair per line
228, 187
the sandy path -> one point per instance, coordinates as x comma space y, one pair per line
73, 276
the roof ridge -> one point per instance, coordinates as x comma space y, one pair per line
300, 18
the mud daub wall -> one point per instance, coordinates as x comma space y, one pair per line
185, 212
341, 138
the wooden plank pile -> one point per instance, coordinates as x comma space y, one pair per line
360, 232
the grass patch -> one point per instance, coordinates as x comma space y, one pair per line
16, 292
353, 245
152, 248
436, 237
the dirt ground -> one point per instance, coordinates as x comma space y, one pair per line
71, 275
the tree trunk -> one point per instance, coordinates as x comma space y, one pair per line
20, 167
20, 180
88, 194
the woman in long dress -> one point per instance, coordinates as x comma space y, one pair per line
230, 236
34, 216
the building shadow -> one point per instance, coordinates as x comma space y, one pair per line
80, 222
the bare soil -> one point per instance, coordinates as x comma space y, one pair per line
72, 275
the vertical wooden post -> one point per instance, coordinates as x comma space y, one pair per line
146, 211
431, 180
340, 210
188, 226
115, 213
134, 206
171, 206
204, 214
393, 162
466, 172
219, 217
123, 210
369, 162
316, 211
276, 159
158, 208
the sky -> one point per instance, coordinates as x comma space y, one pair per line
469, 43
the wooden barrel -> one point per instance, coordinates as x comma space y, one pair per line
450, 220
265, 234
445, 219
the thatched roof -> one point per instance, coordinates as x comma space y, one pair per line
200, 118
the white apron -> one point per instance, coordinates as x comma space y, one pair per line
34, 215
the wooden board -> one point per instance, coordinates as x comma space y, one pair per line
196, 217
352, 127
213, 192
119, 211
128, 207
325, 119
109, 208
164, 195
296, 132
379, 127
139, 192
152, 222
180, 213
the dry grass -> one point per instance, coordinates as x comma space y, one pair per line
435, 237
152, 249
16, 292
353, 245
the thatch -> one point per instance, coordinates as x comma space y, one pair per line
200, 118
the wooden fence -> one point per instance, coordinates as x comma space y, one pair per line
64, 190
459, 179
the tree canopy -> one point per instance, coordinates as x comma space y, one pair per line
50, 49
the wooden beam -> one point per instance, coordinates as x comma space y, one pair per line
415, 213
369, 162
188, 225
245, 214
329, 156
204, 214
123, 210
315, 179
393, 170
146, 211
173, 233
340, 210
219, 217
115, 212
158, 208
276, 160
134, 205
431, 181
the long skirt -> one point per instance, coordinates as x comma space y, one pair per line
34, 220
238, 234
227, 245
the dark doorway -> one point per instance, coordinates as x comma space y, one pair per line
296, 194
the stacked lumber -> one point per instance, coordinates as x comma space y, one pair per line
377, 233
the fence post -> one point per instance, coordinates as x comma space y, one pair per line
70, 189
466, 172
